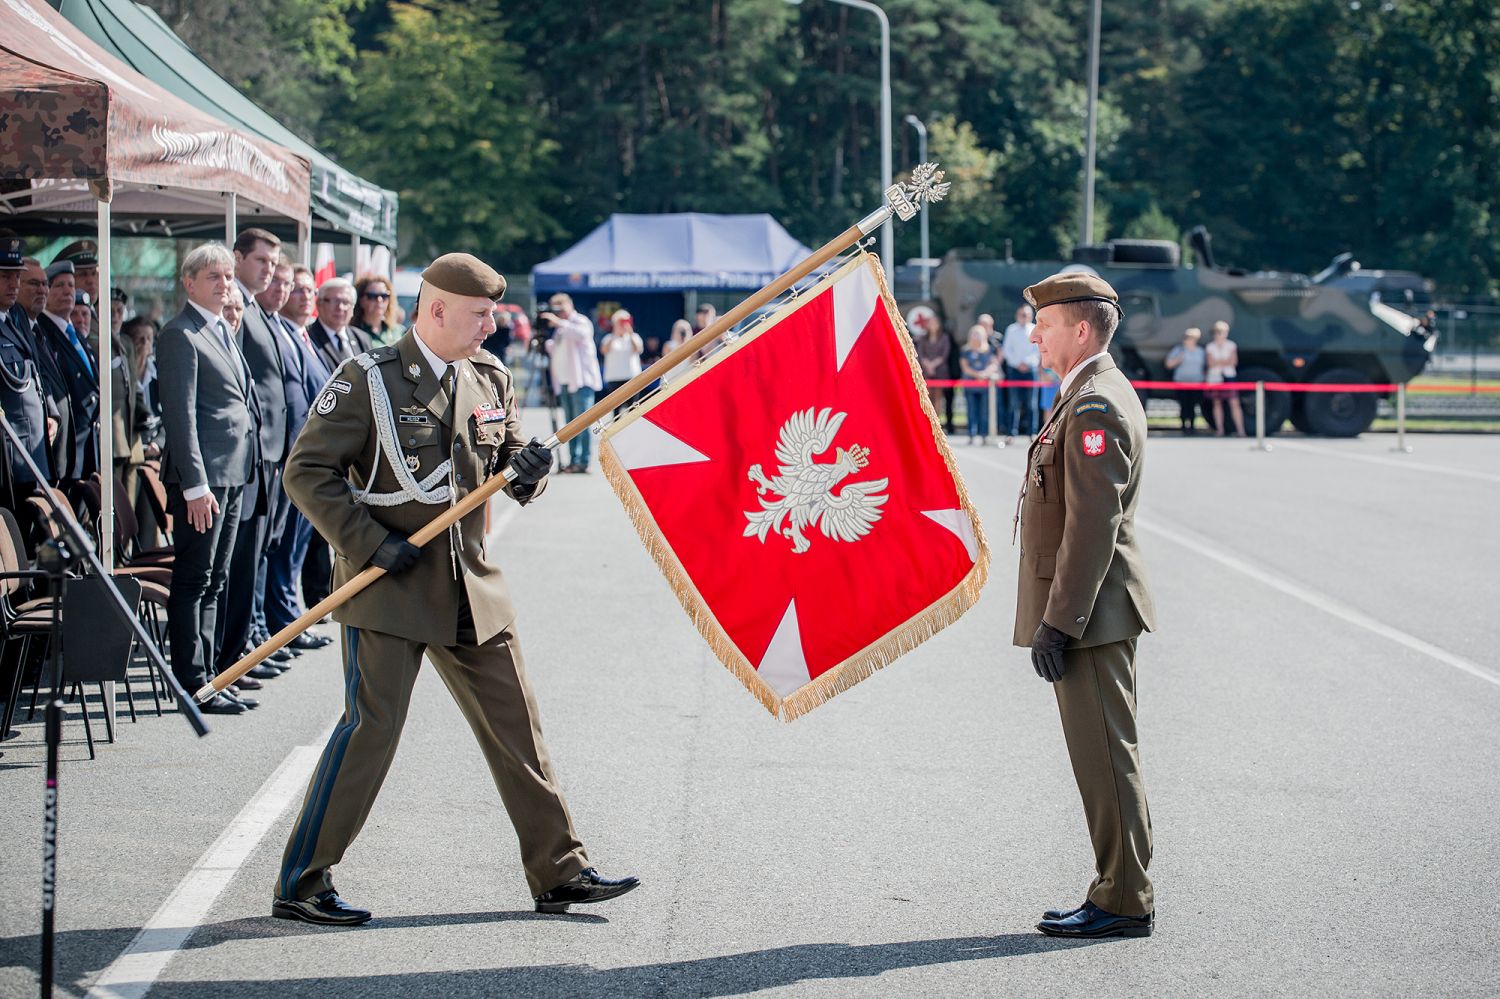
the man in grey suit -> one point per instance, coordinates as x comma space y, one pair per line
337, 341
212, 447
263, 514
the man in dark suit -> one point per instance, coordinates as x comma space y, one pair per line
30, 302
333, 336
305, 377
21, 396
335, 342
212, 449
263, 514
71, 355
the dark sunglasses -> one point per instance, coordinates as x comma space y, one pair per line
382, 295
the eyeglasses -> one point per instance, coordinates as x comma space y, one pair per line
380, 295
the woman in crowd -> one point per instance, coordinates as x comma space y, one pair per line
621, 349
1223, 359
375, 310
934, 348
1187, 361
977, 363
681, 331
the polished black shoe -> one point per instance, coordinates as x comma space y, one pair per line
281, 657
308, 641
246, 682
221, 705
263, 672
248, 702
586, 886
1063, 913
1092, 922
325, 909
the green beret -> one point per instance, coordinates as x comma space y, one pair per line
1071, 286
83, 253
464, 274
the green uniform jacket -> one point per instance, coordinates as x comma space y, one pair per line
336, 452
1081, 571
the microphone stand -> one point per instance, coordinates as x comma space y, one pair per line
54, 557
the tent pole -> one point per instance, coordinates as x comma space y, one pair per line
105, 307
231, 229
304, 243
354, 258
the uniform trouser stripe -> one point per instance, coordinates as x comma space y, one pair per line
310, 822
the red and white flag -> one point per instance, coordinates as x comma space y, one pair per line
799, 495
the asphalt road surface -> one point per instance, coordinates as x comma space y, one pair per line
1318, 732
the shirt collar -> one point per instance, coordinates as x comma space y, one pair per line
212, 319
437, 364
1072, 376
63, 322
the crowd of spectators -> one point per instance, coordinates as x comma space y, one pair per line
204, 410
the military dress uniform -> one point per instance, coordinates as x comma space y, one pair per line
1081, 572
385, 424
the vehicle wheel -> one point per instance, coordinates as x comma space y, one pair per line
1340, 414
1278, 404
1299, 414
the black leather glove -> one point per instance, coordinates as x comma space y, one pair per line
531, 463
396, 554
1047, 652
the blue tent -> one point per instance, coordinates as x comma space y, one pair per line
631, 254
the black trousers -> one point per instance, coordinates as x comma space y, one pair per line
317, 570
198, 575
245, 562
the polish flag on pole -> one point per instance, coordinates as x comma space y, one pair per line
798, 493
324, 269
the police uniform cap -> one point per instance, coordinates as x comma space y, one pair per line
59, 267
1071, 286
464, 274
12, 250
83, 253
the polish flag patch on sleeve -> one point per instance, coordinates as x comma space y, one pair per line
1093, 443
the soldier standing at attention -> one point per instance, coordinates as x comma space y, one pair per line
1082, 601
399, 434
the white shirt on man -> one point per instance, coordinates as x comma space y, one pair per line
575, 359
1018, 348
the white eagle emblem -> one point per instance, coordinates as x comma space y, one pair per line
806, 487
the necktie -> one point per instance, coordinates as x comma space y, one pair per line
78, 346
224, 336
344, 344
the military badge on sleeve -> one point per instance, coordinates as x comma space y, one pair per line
1093, 443
326, 402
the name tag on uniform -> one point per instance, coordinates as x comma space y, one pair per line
488, 414
418, 418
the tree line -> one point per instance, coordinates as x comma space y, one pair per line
1293, 129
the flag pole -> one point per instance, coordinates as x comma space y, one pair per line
901, 200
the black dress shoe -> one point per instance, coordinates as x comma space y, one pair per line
325, 909
263, 672
281, 657
221, 705
309, 642
1063, 913
246, 682
586, 886
1092, 922
248, 702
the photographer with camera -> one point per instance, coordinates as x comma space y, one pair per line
574, 367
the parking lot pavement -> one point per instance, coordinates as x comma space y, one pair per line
1320, 762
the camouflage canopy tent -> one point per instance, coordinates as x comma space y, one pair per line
84, 137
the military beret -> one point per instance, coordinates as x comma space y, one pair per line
12, 249
59, 267
81, 298
1071, 286
83, 253
464, 274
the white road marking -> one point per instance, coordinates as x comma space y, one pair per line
134, 972
1310, 597
131, 975
1375, 459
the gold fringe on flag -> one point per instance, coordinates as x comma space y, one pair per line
887, 649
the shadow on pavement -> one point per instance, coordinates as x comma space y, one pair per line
731, 974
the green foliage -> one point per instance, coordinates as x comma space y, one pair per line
1294, 129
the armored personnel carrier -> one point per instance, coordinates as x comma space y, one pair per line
1289, 327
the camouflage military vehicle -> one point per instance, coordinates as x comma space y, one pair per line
1289, 327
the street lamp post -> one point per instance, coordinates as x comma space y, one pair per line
887, 238
1088, 155
916, 123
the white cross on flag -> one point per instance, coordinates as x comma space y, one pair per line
799, 495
